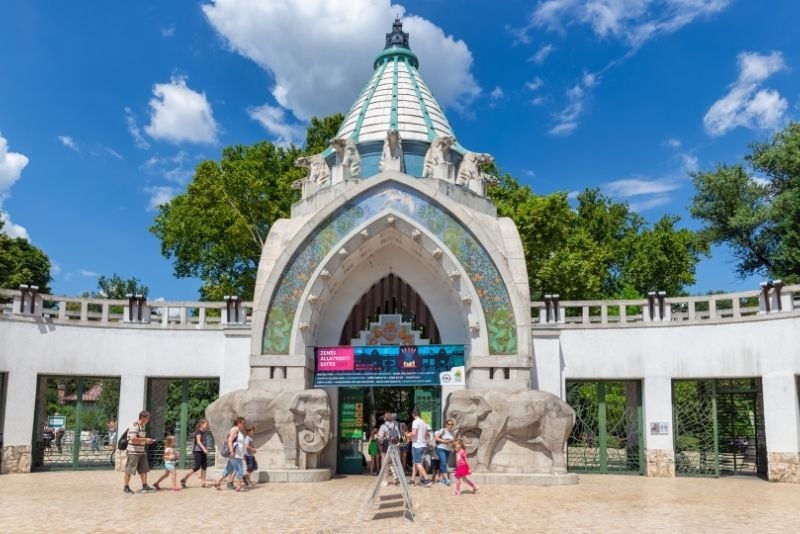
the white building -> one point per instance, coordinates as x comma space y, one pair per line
394, 227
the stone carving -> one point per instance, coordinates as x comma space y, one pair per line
392, 155
16, 459
535, 420
302, 422
469, 174
437, 159
318, 174
348, 161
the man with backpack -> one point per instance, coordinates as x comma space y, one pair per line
136, 440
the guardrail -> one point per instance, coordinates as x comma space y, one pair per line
657, 308
129, 312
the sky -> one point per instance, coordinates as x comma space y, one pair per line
104, 112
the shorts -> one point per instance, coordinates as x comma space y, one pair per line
169, 465
252, 464
136, 463
443, 455
200, 460
417, 453
234, 465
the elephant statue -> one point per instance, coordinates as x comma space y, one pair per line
529, 417
302, 421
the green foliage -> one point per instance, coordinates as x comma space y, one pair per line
754, 207
217, 229
201, 394
22, 263
601, 249
115, 287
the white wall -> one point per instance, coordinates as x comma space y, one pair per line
28, 349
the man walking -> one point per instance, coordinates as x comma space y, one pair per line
419, 444
137, 457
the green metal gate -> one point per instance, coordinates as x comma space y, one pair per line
719, 427
75, 422
175, 406
607, 437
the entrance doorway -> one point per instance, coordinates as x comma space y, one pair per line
719, 427
175, 406
362, 408
607, 436
75, 425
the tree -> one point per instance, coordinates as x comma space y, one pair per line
217, 229
601, 249
117, 288
754, 207
22, 263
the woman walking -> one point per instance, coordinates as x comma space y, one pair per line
200, 453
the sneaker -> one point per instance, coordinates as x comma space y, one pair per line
127, 490
427, 483
230, 485
156, 486
443, 482
147, 489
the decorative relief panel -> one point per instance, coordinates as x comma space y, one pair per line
477, 263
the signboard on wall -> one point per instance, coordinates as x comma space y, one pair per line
390, 365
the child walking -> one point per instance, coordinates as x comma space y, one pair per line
462, 468
171, 457
249, 455
374, 453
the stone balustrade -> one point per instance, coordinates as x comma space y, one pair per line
108, 312
772, 299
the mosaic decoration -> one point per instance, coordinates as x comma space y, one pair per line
473, 257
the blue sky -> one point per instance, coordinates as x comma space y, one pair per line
105, 112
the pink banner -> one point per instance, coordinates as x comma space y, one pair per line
332, 359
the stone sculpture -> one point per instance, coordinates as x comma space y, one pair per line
318, 174
392, 155
302, 422
470, 175
437, 161
536, 420
348, 160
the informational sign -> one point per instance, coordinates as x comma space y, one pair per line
659, 429
351, 415
395, 470
56, 421
391, 365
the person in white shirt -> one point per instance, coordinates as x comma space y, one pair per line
419, 444
444, 443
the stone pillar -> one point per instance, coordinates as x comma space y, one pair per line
547, 373
19, 421
782, 425
657, 407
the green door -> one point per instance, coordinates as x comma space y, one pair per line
350, 459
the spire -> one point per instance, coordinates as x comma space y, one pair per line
397, 37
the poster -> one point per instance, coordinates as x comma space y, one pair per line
390, 365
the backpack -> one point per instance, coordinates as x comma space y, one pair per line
224, 452
122, 444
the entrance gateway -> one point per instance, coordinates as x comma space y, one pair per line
395, 284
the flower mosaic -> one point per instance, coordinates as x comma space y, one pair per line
470, 253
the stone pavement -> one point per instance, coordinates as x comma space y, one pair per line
94, 502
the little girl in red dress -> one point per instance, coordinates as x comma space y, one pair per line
462, 468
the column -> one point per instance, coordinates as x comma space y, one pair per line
657, 406
547, 373
19, 420
782, 426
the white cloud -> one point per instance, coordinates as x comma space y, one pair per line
689, 162
275, 121
179, 114
160, 195
649, 203
534, 84
672, 142
88, 274
497, 94
177, 169
133, 128
567, 118
543, 53
11, 229
11, 166
69, 142
746, 104
633, 187
55, 268
633, 22
320, 52
539, 100
112, 152
168, 32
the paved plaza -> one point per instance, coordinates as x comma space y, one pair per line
94, 502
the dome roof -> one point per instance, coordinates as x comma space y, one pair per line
395, 98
